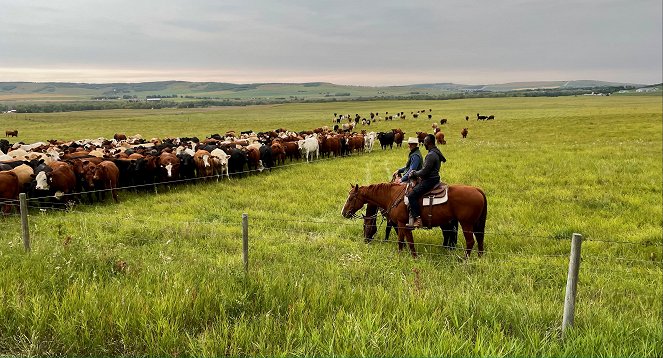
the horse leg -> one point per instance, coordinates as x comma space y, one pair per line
401, 242
469, 239
410, 242
388, 230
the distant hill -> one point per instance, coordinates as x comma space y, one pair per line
182, 90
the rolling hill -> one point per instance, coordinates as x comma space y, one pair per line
181, 90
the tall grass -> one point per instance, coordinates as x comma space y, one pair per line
161, 274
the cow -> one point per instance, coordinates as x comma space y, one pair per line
464, 132
266, 156
443, 121
187, 166
439, 137
467, 118
278, 153
490, 117
386, 139
13, 133
430, 116
237, 160
308, 147
421, 136
253, 156
370, 140
292, 150
24, 174
219, 162
8, 190
480, 117
120, 136
60, 180
4, 146
203, 163
169, 166
102, 177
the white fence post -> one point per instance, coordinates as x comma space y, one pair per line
572, 283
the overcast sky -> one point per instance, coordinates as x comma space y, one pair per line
377, 42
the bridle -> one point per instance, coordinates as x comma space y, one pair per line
353, 214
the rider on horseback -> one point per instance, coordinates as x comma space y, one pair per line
429, 177
414, 161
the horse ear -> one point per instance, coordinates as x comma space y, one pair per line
356, 186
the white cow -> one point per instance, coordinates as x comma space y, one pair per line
309, 146
220, 162
370, 139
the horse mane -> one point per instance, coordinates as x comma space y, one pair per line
374, 189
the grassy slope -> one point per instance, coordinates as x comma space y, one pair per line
550, 167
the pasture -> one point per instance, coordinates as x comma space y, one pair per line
161, 273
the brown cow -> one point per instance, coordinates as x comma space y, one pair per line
203, 164
399, 135
103, 176
421, 136
253, 156
278, 153
439, 137
8, 189
464, 132
292, 150
60, 180
120, 136
169, 166
334, 143
13, 133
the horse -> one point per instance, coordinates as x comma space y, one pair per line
467, 204
449, 230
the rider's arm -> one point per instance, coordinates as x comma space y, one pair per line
414, 164
428, 167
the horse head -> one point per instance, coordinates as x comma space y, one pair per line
353, 203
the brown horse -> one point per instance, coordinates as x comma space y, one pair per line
466, 204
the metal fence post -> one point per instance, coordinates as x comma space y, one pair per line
245, 241
572, 283
23, 201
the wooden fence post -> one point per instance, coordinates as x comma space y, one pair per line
245, 241
23, 200
572, 283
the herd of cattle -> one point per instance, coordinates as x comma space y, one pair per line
56, 170
59, 171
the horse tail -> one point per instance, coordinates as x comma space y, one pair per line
480, 225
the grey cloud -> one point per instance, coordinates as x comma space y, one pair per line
441, 38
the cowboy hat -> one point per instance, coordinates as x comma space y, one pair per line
412, 140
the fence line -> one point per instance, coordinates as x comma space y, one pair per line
233, 223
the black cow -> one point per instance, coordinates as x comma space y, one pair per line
4, 145
266, 157
187, 166
238, 159
386, 139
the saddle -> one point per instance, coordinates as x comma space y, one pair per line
436, 196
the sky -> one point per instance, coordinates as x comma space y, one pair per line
374, 42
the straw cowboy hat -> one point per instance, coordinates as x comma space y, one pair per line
412, 140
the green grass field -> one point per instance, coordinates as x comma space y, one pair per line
549, 166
